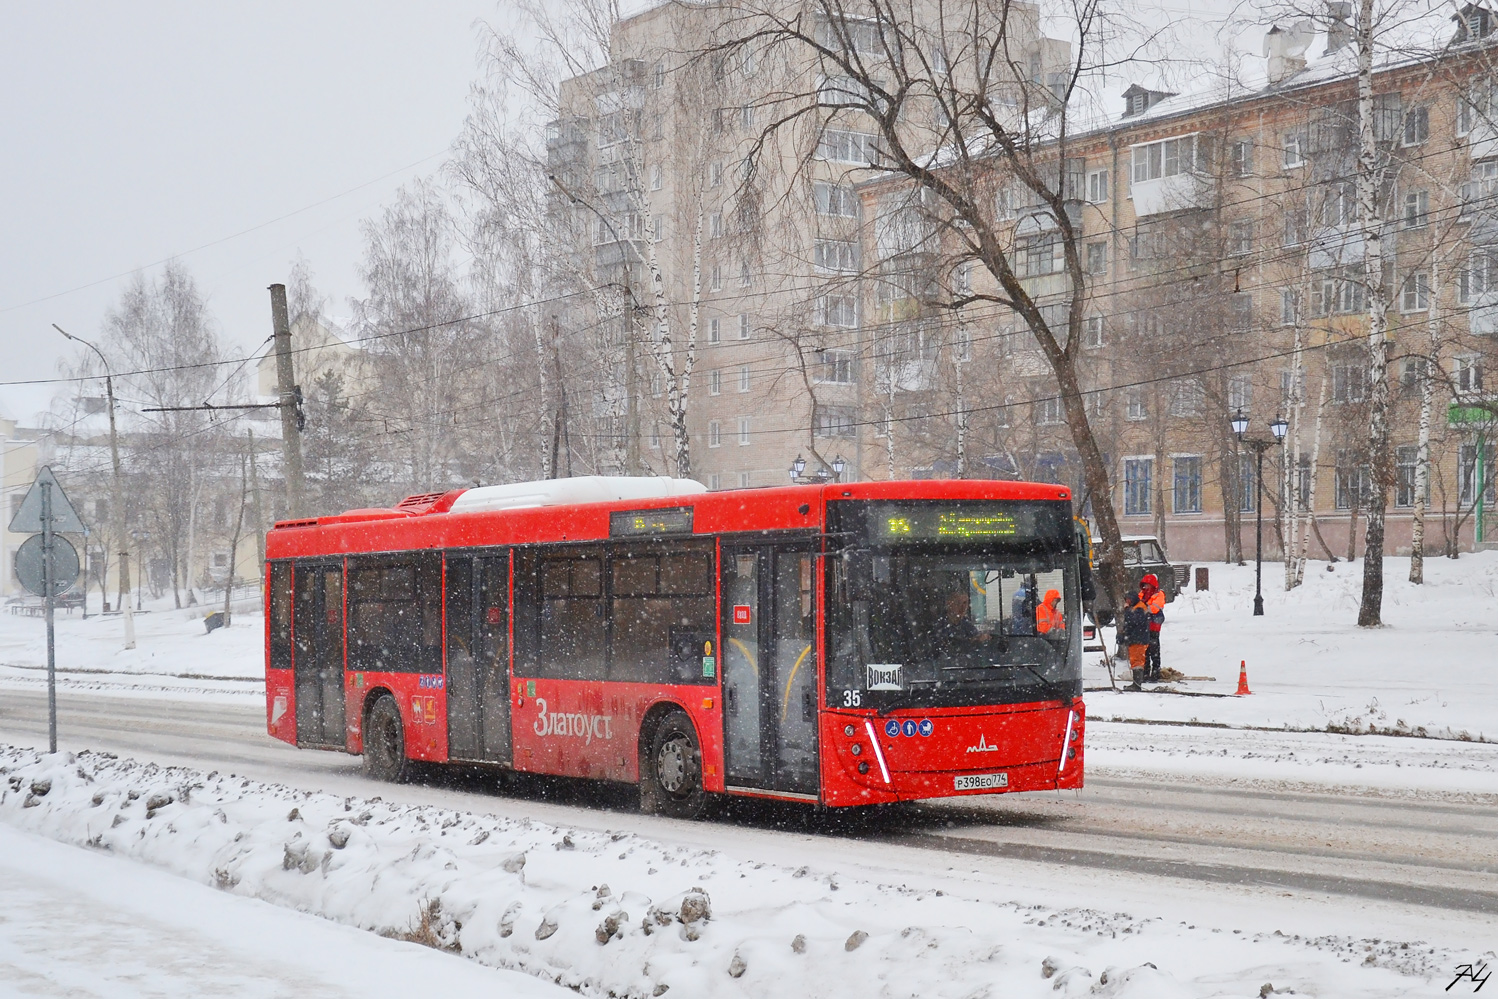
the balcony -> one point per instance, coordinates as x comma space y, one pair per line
1482, 313
1482, 141
1337, 246
1175, 193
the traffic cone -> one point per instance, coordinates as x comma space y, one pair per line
1243, 678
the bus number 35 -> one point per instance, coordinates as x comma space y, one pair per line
852, 698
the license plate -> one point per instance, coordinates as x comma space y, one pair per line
980, 782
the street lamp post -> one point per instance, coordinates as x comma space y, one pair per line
1277, 426
117, 495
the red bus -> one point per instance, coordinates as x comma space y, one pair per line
844, 644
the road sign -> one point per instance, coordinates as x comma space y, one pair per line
31, 571
28, 519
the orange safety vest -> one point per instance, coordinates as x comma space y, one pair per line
1048, 616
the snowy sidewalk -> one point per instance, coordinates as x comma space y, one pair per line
1431, 670
75, 922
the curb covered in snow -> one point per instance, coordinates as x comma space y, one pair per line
617, 914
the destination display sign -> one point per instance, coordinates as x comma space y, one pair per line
650, 523
966, 522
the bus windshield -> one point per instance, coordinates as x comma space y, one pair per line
933, 628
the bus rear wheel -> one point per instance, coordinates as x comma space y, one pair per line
671, 779
385, 742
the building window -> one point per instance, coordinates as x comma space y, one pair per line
1248, 483
714, 434
715, 281
1241, 158
842, 146
715, 174
1040, 255
1137, 485
1294, 151
744, 432
1240, 239
1135, 407
1337, 291
743, 378
1349, 383
835, 256
745, 278
1479, 276
1412, 375
1292, 389
833, 367
1467, 474
838, 310
655, 436
1416, 126
1188, 483
1405, 458
1353, 482
743, 326
1241, 307
715, 225
1240, 393
1416, 209
655, 384
1097, 258
1466, 373
835, 199
1187, 398
1295, 225
1289, 306
715, 382
1168, 158
1092, 331
1414, 294
714, 330
1097, 186
834, 421
657, 177
658, 76
1049, 411
746, 117
743, 480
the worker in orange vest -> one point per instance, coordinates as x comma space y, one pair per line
1154, 603
1048, 616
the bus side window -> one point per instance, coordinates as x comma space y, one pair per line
572, 624
395, 614
662, 608
280, 615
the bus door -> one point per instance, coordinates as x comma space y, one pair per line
317, 624
478, 658
770, 669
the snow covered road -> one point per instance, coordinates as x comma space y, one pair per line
78, 923
1318, 814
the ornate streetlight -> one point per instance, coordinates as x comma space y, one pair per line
1277, 427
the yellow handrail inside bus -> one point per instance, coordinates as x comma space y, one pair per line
785, 702
747, 655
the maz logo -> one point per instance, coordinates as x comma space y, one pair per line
982, 746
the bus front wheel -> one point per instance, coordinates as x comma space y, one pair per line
671, 783
385, 742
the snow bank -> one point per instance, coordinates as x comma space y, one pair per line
616, 914
1430, 671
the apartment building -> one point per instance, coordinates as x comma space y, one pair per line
661, 169
1224, 261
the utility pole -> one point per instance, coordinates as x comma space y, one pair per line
117, 494
291, 419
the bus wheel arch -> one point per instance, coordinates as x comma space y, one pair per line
671, 763
384, 738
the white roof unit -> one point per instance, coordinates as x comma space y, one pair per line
581, 489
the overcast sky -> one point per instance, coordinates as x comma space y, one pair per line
229, 136
137, 132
